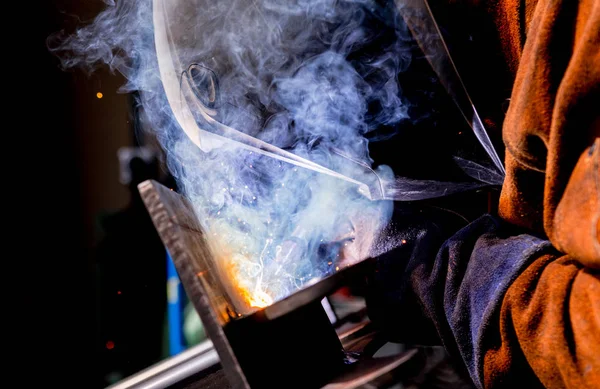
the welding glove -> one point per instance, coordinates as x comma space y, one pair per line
446, 285
444, 269
392, 303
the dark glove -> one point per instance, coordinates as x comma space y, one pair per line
391, 301
446, 285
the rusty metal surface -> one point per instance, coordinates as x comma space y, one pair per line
178, 227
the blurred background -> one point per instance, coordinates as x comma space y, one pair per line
96, 296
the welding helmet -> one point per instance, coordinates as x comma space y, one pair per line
336, 93
221, 83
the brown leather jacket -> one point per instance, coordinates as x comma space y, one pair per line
546, 54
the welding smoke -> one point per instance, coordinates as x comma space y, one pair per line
311, 77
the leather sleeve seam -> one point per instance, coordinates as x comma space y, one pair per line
522, 159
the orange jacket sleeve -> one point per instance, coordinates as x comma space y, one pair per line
550, 315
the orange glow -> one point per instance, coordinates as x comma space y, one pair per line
110, 345
260, 299
253, 296
99, 95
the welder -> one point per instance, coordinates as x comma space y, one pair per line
516, 296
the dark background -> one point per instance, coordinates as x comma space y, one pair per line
63, 200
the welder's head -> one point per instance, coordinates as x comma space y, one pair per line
304, 75
267, 111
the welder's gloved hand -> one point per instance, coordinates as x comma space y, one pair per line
448, 285
392, 303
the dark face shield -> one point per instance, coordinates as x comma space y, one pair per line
191, 40
204, 110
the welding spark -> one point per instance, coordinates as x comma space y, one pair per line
260, 299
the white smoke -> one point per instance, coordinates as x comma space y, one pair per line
312, 77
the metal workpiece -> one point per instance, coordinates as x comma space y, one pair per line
169, 372
291, 340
